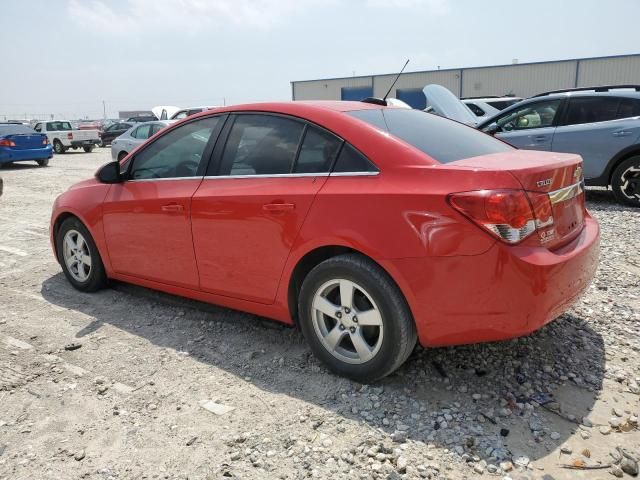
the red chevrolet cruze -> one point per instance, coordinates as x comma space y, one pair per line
370, 227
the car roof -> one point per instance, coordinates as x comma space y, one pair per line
490, 99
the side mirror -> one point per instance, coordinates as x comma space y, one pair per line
109, 173
492, 129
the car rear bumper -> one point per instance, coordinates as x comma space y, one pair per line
503, 293
12, 155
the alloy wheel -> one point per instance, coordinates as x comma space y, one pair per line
347, 321
630, 183
77, 256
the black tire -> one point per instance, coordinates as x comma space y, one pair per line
43, 163
58, 147
121, 155
6, 164
88, 149
96, 278
398, 329
625, 182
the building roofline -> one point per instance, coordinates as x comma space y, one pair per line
470, 68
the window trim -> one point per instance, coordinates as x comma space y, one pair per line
207, 154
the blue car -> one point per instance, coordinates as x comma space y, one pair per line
602, 124
20, 143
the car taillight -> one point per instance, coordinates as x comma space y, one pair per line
510, 215
70, 136
45, 141
5, 142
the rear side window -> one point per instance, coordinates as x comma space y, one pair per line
15, 129
352, 161
261, 145
442, 139
592, 110
142, 132
475, 109
318, 151
629, 107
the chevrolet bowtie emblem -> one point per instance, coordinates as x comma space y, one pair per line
578, 173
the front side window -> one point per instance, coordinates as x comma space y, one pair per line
175, 155
261, 145
533, 115
442, 139
318, 151
591, 110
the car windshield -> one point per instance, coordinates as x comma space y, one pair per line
15, 129
442, 139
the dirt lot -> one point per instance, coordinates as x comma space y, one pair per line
144, 396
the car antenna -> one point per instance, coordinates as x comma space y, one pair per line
394, 82
383, 101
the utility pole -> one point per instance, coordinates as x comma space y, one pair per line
104, 110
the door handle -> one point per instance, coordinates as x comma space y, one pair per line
278, 207
172, 208
540, 138
622, 133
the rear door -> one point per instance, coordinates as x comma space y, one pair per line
251, 205
597, 128
147, 218
531, 126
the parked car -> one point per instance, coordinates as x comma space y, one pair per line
63, 136
365, 225
187, 112
112, 132
492, 101
136, 135
20, 143
90, 125
602, 124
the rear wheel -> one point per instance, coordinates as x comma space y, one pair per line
44, 162
625, 182
88, 148
102, 144
58, 147
79, 256
355, 318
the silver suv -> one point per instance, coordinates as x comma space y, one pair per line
602, 124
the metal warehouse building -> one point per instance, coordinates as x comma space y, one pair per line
520, 79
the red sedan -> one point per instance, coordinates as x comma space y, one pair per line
367, 226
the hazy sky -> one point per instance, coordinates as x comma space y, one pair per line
66, 56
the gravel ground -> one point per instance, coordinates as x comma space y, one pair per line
162, 387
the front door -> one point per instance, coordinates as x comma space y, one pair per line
530, 127
147, 218
247, 217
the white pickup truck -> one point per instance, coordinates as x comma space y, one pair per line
62, 136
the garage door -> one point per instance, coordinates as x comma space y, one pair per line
413, 96
356, 93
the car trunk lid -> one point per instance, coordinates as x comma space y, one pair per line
554, 184
27, 141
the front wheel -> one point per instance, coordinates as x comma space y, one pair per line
44, 162
625, 182
355, 318
88, 149
79, 256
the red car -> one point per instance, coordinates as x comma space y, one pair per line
369, 227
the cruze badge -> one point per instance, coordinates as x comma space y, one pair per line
544, 183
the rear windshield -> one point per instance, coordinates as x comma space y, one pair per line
16, 129
442, 139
